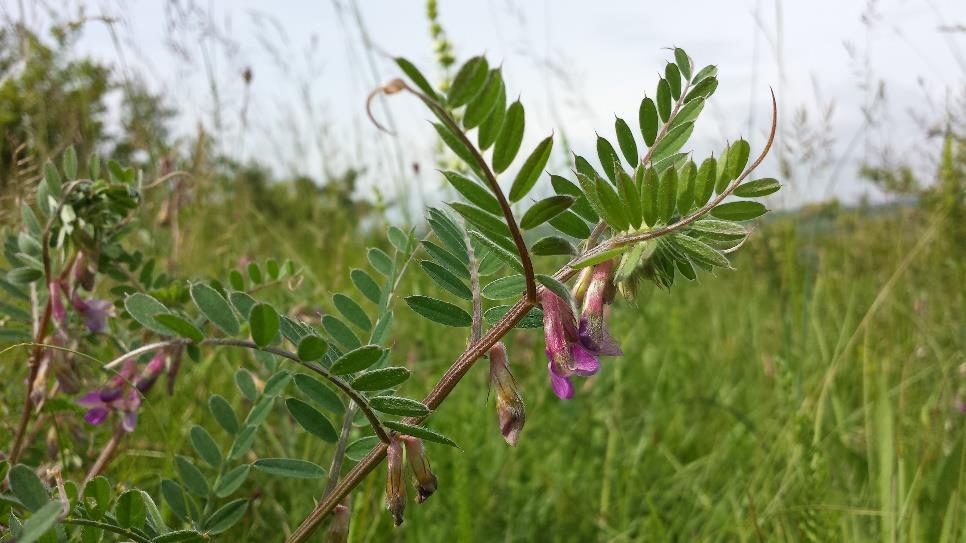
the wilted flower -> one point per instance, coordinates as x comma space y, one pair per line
565, 355
425, 480
509, 404
395, 487
82, 272
338, 530
593, 330
119, 394
94, 312
57, 303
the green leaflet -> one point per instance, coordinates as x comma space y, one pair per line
481, 219
311, 420
757, 188
683, 62
509, 139
544, 210
357, 359
625, 140
446, 279
612, 206
672, 142
264, 323
673, 76
490, 128
468, 82
511, 286
631, 196
439, 311
416, 77
609, 161
647, 117
351, 311
474, 192
667, 193
664, 99
530, 171
739, 211
485, 102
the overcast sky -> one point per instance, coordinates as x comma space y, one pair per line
575, 63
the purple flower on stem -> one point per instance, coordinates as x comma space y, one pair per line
94, 312
593, 330
566, 356
123, 393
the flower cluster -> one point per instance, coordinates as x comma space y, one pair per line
572, 350
123, 392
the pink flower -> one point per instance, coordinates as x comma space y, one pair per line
57, 303
593, 330
566, 356
94, 312
120, 396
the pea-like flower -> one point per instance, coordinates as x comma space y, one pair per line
509, 404
57, 310
566, 356
395, 488
123, 392
424, 478
94, 312
593, 328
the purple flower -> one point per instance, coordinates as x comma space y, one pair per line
509, 404
566, 356
119, 395
593, 330
94, 312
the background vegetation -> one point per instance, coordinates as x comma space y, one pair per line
818, 393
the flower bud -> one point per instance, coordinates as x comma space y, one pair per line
423, 478
151, 372
395, 488
509, 404
57, 304
338, 530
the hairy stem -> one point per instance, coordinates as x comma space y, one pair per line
476, 331
335, 469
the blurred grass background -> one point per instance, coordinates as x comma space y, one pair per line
814, 394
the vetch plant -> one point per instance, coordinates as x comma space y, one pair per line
647, 212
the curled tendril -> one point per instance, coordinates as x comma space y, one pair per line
392, 87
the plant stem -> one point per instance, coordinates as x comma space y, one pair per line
106, 527
106, 455
443, 388
335, 469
